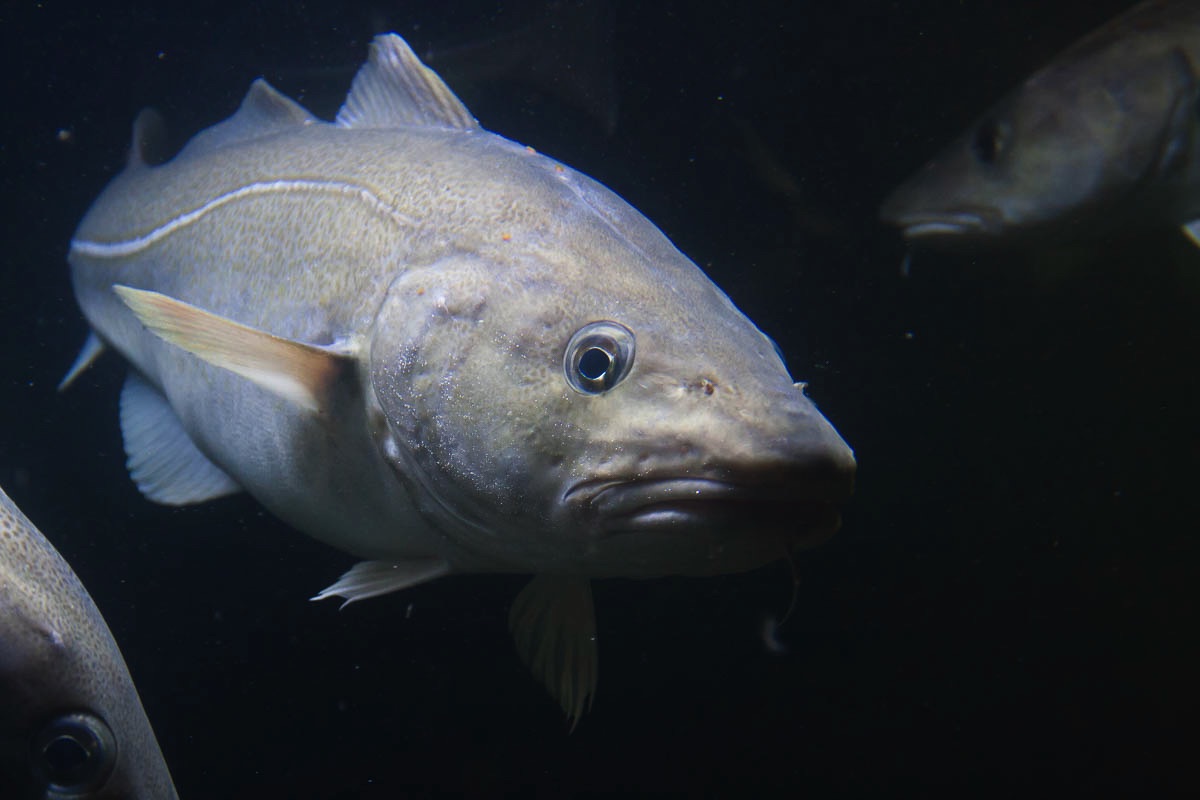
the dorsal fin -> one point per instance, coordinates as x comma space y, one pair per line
264, 111
394, 89
149, 145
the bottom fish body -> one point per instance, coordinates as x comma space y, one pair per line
71, 722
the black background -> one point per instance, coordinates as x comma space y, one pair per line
1012, 602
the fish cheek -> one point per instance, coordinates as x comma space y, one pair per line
444, 376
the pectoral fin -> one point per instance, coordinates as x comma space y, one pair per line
1192, 231
553, 623
373, 578
301, 373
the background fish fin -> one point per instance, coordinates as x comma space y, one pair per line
163, 461
553, 624
373, 578
300, 373
149, 145
394, 89
264, 111
92, 349
1192, 231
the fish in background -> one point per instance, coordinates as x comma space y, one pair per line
71, 722
1104, 138
442, 352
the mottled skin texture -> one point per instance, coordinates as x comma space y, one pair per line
57, 656
1104, 136
455, 266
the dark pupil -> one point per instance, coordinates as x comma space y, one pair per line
594, 363
66, 757
987, 142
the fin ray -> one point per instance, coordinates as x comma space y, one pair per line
553, 624
93, 348
264, 111
163, 460
394, 89
300, 373
372, 578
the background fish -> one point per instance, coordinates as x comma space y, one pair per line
1105, 137
443, 352
71, 723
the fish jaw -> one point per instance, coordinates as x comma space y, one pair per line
726, 517
917, 220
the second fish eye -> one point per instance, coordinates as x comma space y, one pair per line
74, 753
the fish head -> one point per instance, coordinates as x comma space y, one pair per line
588, 402
1085, 140
71, 725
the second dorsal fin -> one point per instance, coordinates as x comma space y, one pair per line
264, 111
394, 89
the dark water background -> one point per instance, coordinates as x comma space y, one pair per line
1012, 603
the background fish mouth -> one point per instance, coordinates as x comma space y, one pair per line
684, 504
927, 226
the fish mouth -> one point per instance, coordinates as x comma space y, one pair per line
684, 504
958, 223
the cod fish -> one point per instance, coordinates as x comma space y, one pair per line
442, 352
71, 723
1107, 136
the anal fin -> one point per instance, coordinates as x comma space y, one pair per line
163, 461
373, 578
553, 624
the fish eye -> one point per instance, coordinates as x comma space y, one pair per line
989, 141
74, 753
598, 357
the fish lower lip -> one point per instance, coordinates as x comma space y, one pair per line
943, 225
675, 503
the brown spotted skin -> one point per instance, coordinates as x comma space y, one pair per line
58, 656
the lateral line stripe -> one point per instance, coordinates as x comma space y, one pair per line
130, 246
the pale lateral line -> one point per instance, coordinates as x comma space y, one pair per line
131, 246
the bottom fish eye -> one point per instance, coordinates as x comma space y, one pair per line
598, 357
74, 753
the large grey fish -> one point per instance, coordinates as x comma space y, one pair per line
445, 353
1107, 136
71, 723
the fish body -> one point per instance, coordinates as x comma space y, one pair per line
1105, 137
71, 722
442, 352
